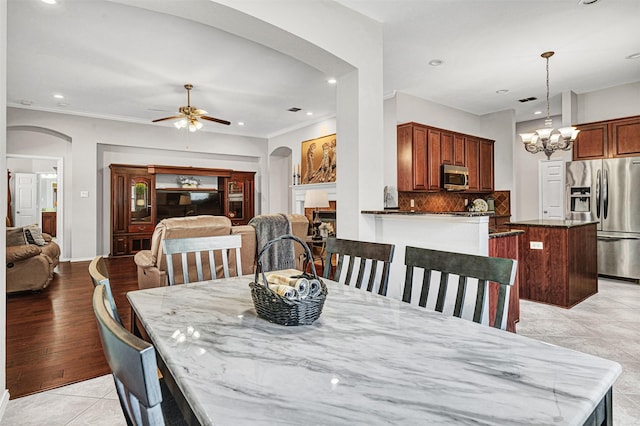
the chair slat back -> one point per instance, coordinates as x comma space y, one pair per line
133, 364
367, 254
197, 247
100, 276
465, 266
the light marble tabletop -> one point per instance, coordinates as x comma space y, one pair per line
368, 359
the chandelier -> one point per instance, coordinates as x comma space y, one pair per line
548, 140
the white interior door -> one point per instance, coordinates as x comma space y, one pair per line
25, 199
552, 189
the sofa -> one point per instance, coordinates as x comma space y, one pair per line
30, 262
151, 264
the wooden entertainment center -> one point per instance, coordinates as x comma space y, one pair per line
141, 196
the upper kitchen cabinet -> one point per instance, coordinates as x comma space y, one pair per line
472, 154
452, 149
414, 157
422, 150
608, 139
486, 165
625, 137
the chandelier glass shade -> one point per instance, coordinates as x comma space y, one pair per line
547, 139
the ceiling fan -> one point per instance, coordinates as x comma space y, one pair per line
188, 115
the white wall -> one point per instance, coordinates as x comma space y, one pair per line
614, 102
293, 140
155, 144
4, 398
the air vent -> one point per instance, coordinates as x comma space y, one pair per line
532, 98
294, 109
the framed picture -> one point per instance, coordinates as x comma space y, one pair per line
318, 163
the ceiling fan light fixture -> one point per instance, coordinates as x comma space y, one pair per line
188, 115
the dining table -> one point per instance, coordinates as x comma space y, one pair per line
368, 359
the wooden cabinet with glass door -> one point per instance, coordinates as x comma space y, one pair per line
132, 212
240, 197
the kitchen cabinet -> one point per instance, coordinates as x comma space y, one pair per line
49, 223
434, 159
452, 150
608, 139
422, 150
505, 245
472, 155
132, 212
240, 196
485, 165
413, 157
558, 261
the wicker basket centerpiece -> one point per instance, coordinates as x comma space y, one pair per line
293, 300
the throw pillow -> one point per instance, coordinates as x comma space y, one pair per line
33, 234
15, 237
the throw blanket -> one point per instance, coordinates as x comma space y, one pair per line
281, 254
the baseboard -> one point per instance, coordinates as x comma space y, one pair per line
4, 402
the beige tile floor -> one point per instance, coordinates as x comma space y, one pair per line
606, 325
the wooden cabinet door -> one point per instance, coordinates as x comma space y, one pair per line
240, 197
433, 157
405, 157
486, 165
592, 142
446, 148
472, 157
458, 150
420, 158
625, 137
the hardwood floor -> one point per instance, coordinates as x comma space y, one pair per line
52, 338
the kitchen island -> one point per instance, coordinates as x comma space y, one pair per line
558, 261
458, 232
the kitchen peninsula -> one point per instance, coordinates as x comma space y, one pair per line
558, 261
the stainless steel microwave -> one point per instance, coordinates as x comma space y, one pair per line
455, 178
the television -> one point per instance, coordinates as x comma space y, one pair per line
180, 203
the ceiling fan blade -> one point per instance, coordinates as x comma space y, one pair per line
167, 118
217, 120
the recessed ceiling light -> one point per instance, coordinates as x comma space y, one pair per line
502, 91
49, 1
436, 62
58, 96
240, 123
332, 81
537, 112
634, 56
309, 113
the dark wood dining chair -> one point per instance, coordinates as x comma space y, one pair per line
100, 276
145, 400
482, 269
368, 254
198, 246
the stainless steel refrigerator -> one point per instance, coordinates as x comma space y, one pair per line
608, 191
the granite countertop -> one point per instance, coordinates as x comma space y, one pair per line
422, 213
552, 223
235, 368
504, 233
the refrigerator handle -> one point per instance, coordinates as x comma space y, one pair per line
605, 192
598, 194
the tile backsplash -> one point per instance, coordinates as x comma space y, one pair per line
452, 201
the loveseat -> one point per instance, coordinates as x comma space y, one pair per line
30, 265
151, 263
